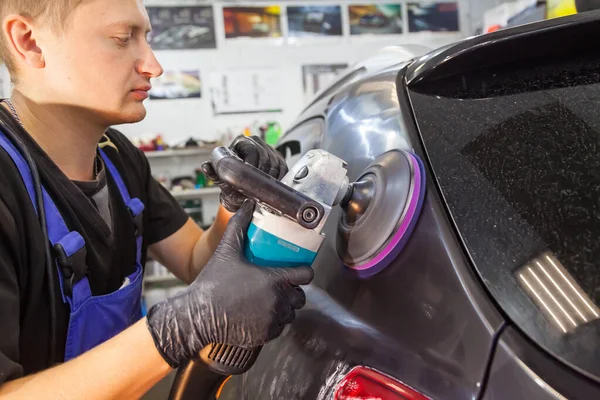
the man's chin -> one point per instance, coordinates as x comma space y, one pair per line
131, 115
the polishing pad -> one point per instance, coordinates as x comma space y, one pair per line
382, 213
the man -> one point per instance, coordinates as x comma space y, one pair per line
71, 325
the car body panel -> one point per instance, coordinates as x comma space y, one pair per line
520, 371
390, 57
424, 320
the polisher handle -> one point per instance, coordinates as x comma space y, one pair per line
262, 188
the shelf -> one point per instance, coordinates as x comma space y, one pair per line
196, 193
193, 210
179, 152
160, 279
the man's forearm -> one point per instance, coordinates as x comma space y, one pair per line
124, 367
209, 241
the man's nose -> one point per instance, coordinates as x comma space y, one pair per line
148, 64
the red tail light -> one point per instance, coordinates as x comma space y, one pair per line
363, 383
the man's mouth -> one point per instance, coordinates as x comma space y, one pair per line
141, 92
145, 88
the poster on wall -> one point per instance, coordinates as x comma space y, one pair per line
376, 19
314, 21
315, 77
253, 22
179, 28
176, 85
246, 91
432, 17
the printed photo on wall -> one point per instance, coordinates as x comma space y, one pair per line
314, 21
376, 19
244, 91
316, 77
178, 28
433, 17
176, 85
254, 22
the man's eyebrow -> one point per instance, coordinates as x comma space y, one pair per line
130, 25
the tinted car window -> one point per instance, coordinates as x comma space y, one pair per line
516, 153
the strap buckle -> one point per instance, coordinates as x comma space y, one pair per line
136, 208
73, 267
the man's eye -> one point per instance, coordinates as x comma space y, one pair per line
123, 39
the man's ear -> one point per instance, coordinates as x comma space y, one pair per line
21, 35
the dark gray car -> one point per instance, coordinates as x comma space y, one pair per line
495, 295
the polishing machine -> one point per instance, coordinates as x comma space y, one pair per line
289, 217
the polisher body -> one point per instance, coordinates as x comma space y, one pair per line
273, 239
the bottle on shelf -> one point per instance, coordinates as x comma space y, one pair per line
200, 179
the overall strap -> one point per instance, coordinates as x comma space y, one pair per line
21, 165
135, 205
69, 245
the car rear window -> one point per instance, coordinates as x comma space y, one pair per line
516, 154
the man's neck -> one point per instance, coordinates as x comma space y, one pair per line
65, 133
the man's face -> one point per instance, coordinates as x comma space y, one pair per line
102, 62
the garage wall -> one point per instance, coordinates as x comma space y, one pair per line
479, 7
179, 119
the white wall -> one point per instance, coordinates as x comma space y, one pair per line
179, 119
478, 8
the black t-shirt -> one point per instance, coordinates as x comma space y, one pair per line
97, 191
24, 292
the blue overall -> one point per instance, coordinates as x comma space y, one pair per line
93, 319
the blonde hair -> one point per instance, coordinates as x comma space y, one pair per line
54, 12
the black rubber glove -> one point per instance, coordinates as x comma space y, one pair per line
231, 301
256, 153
